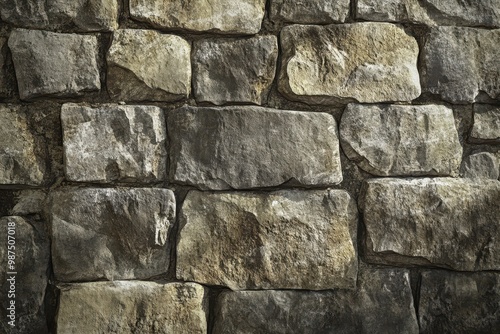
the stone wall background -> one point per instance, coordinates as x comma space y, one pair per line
251, 166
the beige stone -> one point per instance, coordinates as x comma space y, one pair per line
310, 11
486, 123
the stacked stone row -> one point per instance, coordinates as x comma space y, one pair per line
193, 167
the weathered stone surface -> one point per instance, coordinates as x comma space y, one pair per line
383, 303
132, 307
110, 233
310, 11
462, 65
451, 223
432, 12
486, 123
85, 15
21, 151
459, 302
280, 240
482, 165
5, 88
246, 147
31, 265
364, 62
114, 143
224, 16
401, 140
230, 70
21, 202
50, 63
147, 65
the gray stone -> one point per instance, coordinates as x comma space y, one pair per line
279, 240
114, 143
230, 70
132, 307
50, 63
147, 65
102, 233
383, 303
432, 12
246, 147
459, 302
401, 140
462, 65
364, 62
15, 202
486, 123
482, 165
223, 16
310, 11
85, 15
28, 272
444, 222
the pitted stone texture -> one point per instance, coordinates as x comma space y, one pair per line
246, 147
100, 233
114, 143
459, 302
364, 62
132, 307
32, 250
222, 16
486, 123
383, 303
230, 70
310, 11
482, 165
462, 65
432, 12
279, 240
50, 63
146, 65
21, 151
84, 15
5, 89
392, 140
445, 222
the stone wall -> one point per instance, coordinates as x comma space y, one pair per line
250, 166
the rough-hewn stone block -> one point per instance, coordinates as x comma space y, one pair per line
383, 303
459, 302
482, 165
132, 307
114, 143
364, 62
224, 16
310, 11
146, 65
230, 70
50, 63
486, 123
100, 233
281, 240
401, 140
246, 147
462, 65
451, 223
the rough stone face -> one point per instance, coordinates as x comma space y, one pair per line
383, 303
224, 16
114, 143
21, 152
50, 63
432, 12
457, 69
486, 123
31, 263
21, 202
147, 65
451, 223
280, 240
459, 302
100, 233
481, 165
132, 307
401, 140
85, 15
229, 70
310, 11
364, 62
246, 147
